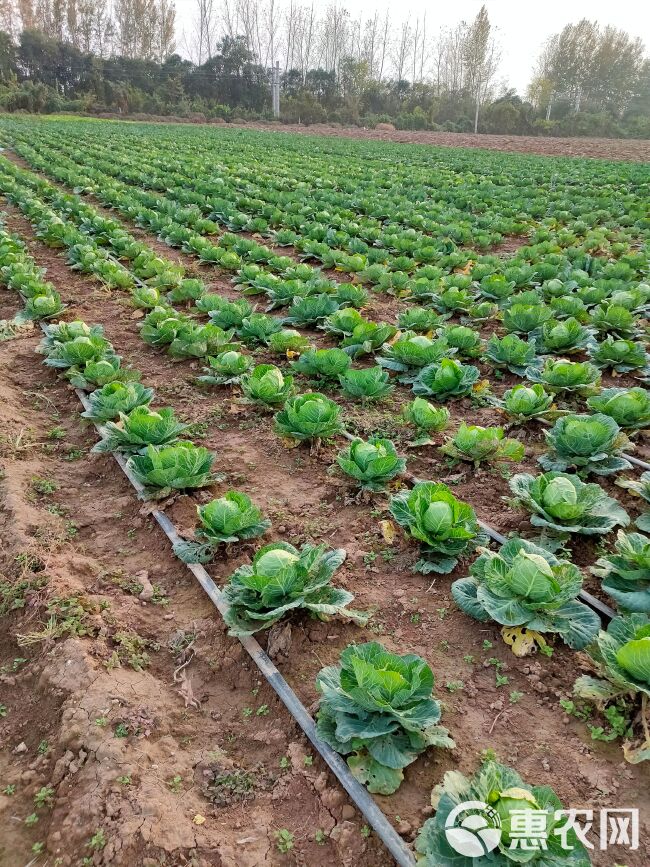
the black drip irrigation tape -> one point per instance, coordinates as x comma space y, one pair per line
358, 794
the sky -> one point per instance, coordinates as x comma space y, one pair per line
522, 27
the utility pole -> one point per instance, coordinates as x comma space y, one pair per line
275, 88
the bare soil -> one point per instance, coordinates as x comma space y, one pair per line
213, 723
629, 150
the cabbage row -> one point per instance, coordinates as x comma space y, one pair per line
19, 271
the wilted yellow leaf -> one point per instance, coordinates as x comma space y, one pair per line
482, 386
636, 754
198, 819
387, 531
522, 641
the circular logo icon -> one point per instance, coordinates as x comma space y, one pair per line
473, 829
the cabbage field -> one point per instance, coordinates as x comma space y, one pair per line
389, 403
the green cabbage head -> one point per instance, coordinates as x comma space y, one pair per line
367, 383
629, 407
266, 384
560, 375
163, 469
590, 443
475, 444
620, 354
626, 572
445, 526
138, 429
323, 363
78, 351
503, 789
523, 585
564, 503
413, 350
524, 402
372, 463
621, 656
426, 419
95, 374
230, 518
308, 416
114, 398
226, 368
377, 709
511, 352
283, 579
446, 379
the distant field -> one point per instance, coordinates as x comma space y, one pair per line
635, 150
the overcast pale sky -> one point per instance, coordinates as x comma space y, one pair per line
523, 27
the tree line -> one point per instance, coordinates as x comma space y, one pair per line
130, 56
